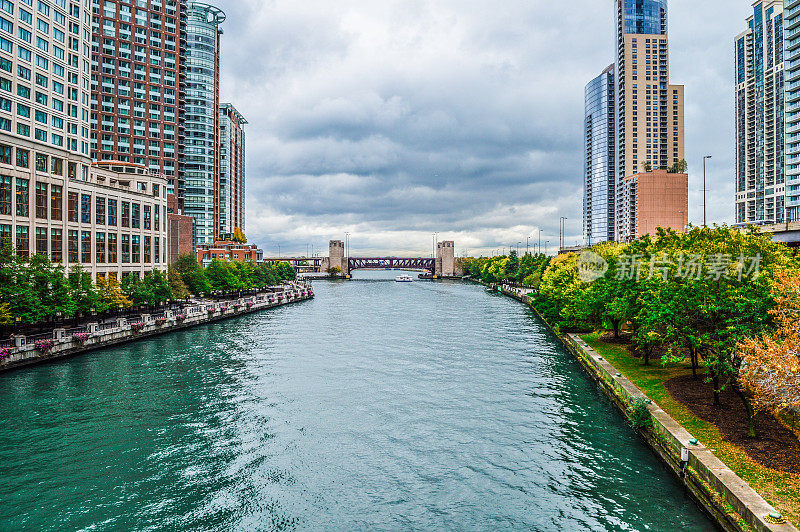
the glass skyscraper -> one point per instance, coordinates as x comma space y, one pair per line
199, 147
599, 156
760, 140
791, 21
645, 16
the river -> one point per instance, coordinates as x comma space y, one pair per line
376, 406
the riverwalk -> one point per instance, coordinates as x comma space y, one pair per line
62, 343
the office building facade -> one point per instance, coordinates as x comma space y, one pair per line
760, 140
791, 32
599, 155
232, 171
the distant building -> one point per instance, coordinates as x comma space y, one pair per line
228, 250
199, 141
760, 141
180, 231
792, 108
232, 170
649, 117
651, 200
600, 179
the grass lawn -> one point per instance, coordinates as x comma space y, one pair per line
782, 490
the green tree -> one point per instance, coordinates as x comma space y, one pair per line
84, 294
192, 274
512, 267
222, 276
176, 285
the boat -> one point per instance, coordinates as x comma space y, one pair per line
405, 278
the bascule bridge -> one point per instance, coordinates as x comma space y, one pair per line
444, 265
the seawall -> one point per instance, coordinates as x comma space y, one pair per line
63, 345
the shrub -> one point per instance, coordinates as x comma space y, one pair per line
639, 415
5, 353
181, 317
161, 321
81, 338
137, 327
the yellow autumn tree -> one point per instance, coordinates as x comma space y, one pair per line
111, 295
770, 371
238, 236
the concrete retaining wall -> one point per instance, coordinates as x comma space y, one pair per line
147, 326
723, 494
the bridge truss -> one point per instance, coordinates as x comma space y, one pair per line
392, 263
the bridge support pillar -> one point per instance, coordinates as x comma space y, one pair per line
446, 259
336, 257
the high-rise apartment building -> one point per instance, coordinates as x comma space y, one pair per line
760, 140
232, 171
199, 139
649, 118
53, 200
791, 23
599, 156
135, 83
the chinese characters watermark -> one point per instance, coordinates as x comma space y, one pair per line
687, 266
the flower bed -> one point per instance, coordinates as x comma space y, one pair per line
212, 310
81, 338
249, 305
223, 309
161, 321
181, 317
44, 346
237, 306
5, 353
137, 327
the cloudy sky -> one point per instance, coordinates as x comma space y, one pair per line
397, 118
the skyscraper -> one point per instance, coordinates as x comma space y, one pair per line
760, 141
232, 170
599, 156
791, 22
135, 83
649, 117
199, 139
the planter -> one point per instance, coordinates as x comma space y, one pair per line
4, 353
249, 306
137, 327
161, 321
44, 346
223, 309
81, 338
181, 317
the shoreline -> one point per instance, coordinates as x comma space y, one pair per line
149, 326
731, 503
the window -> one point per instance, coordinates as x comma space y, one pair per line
156, 250
112, 248
72, 207
86, 247
5, 154
147, 218
56, 200
135, 248
126, 214
23, 241
72, 245
57, 245
100, 248
112, 212
23, 110
86, 208
41, 162
126, 249
41, 241
41, 201
136, 216
147, 251
5, 195
57, 166
100, 211
23, 92
5, 236
23, 200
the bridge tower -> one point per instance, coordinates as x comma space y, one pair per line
336, 256
446, 259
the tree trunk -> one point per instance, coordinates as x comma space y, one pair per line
693, 356
752, 429
715, 383
615, 323
646, 356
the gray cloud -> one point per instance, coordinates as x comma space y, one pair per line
395, 119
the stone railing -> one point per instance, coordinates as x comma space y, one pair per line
25, 350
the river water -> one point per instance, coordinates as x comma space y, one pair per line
376, 406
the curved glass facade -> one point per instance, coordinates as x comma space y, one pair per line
199, 153
645, 16
599, 156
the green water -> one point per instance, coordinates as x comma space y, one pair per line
376, 406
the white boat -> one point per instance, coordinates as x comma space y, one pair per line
405, 278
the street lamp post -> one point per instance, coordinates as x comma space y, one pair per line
705, 221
